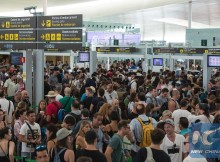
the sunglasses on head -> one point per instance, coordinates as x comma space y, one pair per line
41, 148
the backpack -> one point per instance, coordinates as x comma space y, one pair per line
149, 155
57, 155
147, 128
60, 115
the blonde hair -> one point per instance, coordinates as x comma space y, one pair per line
104, 109
167, 113
82, 125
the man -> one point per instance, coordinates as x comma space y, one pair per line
7, 106
53, 80
91, 151
114, 151
163, 97
110, 94
58, 91
97, 102
52, 108
25, 98
65, 81
158, 155
133, 83
136, 127
84, 116
89, 96
75, 110
151, 98
173, 144
10, 86
42, 154
96, 124
30, 135
172, 103
183, 112
67, 100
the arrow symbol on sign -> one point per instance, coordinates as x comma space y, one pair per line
3, 24
43, 23
42, 36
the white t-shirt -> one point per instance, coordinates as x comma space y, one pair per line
171, 147
58, 97
202, 118
5, 107
176, 116
111, 96
25, 130
131, 106
11, 87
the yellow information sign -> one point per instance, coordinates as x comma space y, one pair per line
11, 37
48, 23
8, 24
15, 36
47, 37
58, 36
53, 36
6, 36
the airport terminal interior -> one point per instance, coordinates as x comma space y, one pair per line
110, 81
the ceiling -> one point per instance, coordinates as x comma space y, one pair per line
157, 19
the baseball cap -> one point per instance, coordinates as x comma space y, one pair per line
63, 133
169, 121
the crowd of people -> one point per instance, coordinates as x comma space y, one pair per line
111, 115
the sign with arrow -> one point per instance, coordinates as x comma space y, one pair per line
18, 23
64, 35
18, 35
64, 21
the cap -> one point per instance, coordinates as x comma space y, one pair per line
169, 121
63, 133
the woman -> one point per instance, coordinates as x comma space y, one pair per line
105, 110
203, 114
132, 100
51, 137
41, 118
212, 103
2, 119
63, 145
20, 117
6, 146
80, 137
112, 128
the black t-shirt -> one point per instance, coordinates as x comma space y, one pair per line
95, 102
158, 155
95, 155
87, 102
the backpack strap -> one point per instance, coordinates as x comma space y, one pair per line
9, 107
149, 155
58, 153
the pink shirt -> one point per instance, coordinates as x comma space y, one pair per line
17, 127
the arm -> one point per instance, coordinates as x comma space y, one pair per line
48, 118
91, 107
69, 156
11, 151
50, 145
108, 153
81, 142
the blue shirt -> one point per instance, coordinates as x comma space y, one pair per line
184, 131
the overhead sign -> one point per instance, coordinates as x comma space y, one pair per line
60, 46
18, 23
65, 21
212, 50
116, 49
18, 46
65, 35
17, 35
165, 50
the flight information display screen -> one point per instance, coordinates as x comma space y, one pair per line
157, 62
213, 61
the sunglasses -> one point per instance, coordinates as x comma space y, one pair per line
41, 148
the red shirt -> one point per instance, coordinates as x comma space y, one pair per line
52, 109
